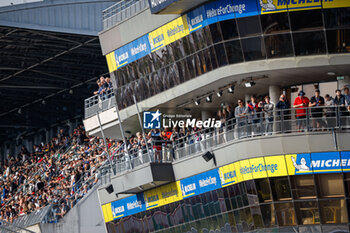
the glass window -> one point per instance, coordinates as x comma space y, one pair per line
310, 19
234, 51
229, 29
272, 23
333, 211
330, 185
268, 215
309, 43
278, 46
251, 192
215, 32
200, 39
191, 67
338, 41
249, 26
307, 212
285, 214
337, 17
263, 189
303, 186
253, 49
220, 54
192, 43
186, 46
280, 188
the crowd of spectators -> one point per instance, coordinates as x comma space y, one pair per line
60, 173
104, 86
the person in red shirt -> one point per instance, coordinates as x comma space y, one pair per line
301, 103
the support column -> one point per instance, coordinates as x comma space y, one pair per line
205, 115
274, 93
345, 82
246, 98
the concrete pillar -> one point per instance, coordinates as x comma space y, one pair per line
205, 115
274, 93
247, 98
345, 82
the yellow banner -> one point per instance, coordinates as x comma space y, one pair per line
168, 33
246, 170
228, 175
163, 195
258, 168
107, 212
274, 6
275, 166
238, 172
335, 3
111, 62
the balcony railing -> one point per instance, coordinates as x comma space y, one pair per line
121, 11
262, 124
99, 102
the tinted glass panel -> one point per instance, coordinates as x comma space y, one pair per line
285, 214
268, 214
333, 211
338, 41
229, 29
220, 54
253, 49
263, 189
215, 32
336, 18
279, 46
330, 185
249, 26
272, 23
280, 188
309, 43
310, 19
307, 212
303, 187
234, 51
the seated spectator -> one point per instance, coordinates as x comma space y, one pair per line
301, 102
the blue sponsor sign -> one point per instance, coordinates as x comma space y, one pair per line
189, 187
208, 181
225, 10
128, 206
345, 160
211, 12
326, 162
122, 56
245, 8
196, 19
159, 5
151, 120
139, 48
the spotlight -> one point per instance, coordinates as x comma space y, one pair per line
220, 93
231, 89
249, 84
43, 102
19, 111
110, 189
330, 73
209, 99
209, 156
71, 92
197, 102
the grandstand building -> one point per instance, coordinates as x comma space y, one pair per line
194, 58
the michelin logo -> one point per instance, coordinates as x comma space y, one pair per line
302, 166
268, 6
151, 120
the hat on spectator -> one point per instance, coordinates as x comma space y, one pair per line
301, 93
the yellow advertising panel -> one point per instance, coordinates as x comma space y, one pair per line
298, 164
297, 5
163, 195
107, 212
246, 170
176, 29
275, 166
156, 39
258, 168
228, 175
111, 62
274, 6
238, 172
335, 3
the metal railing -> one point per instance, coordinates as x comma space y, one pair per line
99, 102
121, 11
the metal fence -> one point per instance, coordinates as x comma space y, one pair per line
121, 11
100, 102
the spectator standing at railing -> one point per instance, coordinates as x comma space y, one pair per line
268, 109
347, 104
253, 112
157, 144
339, 101
316, 104
240, 114
109, 85
301, 103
